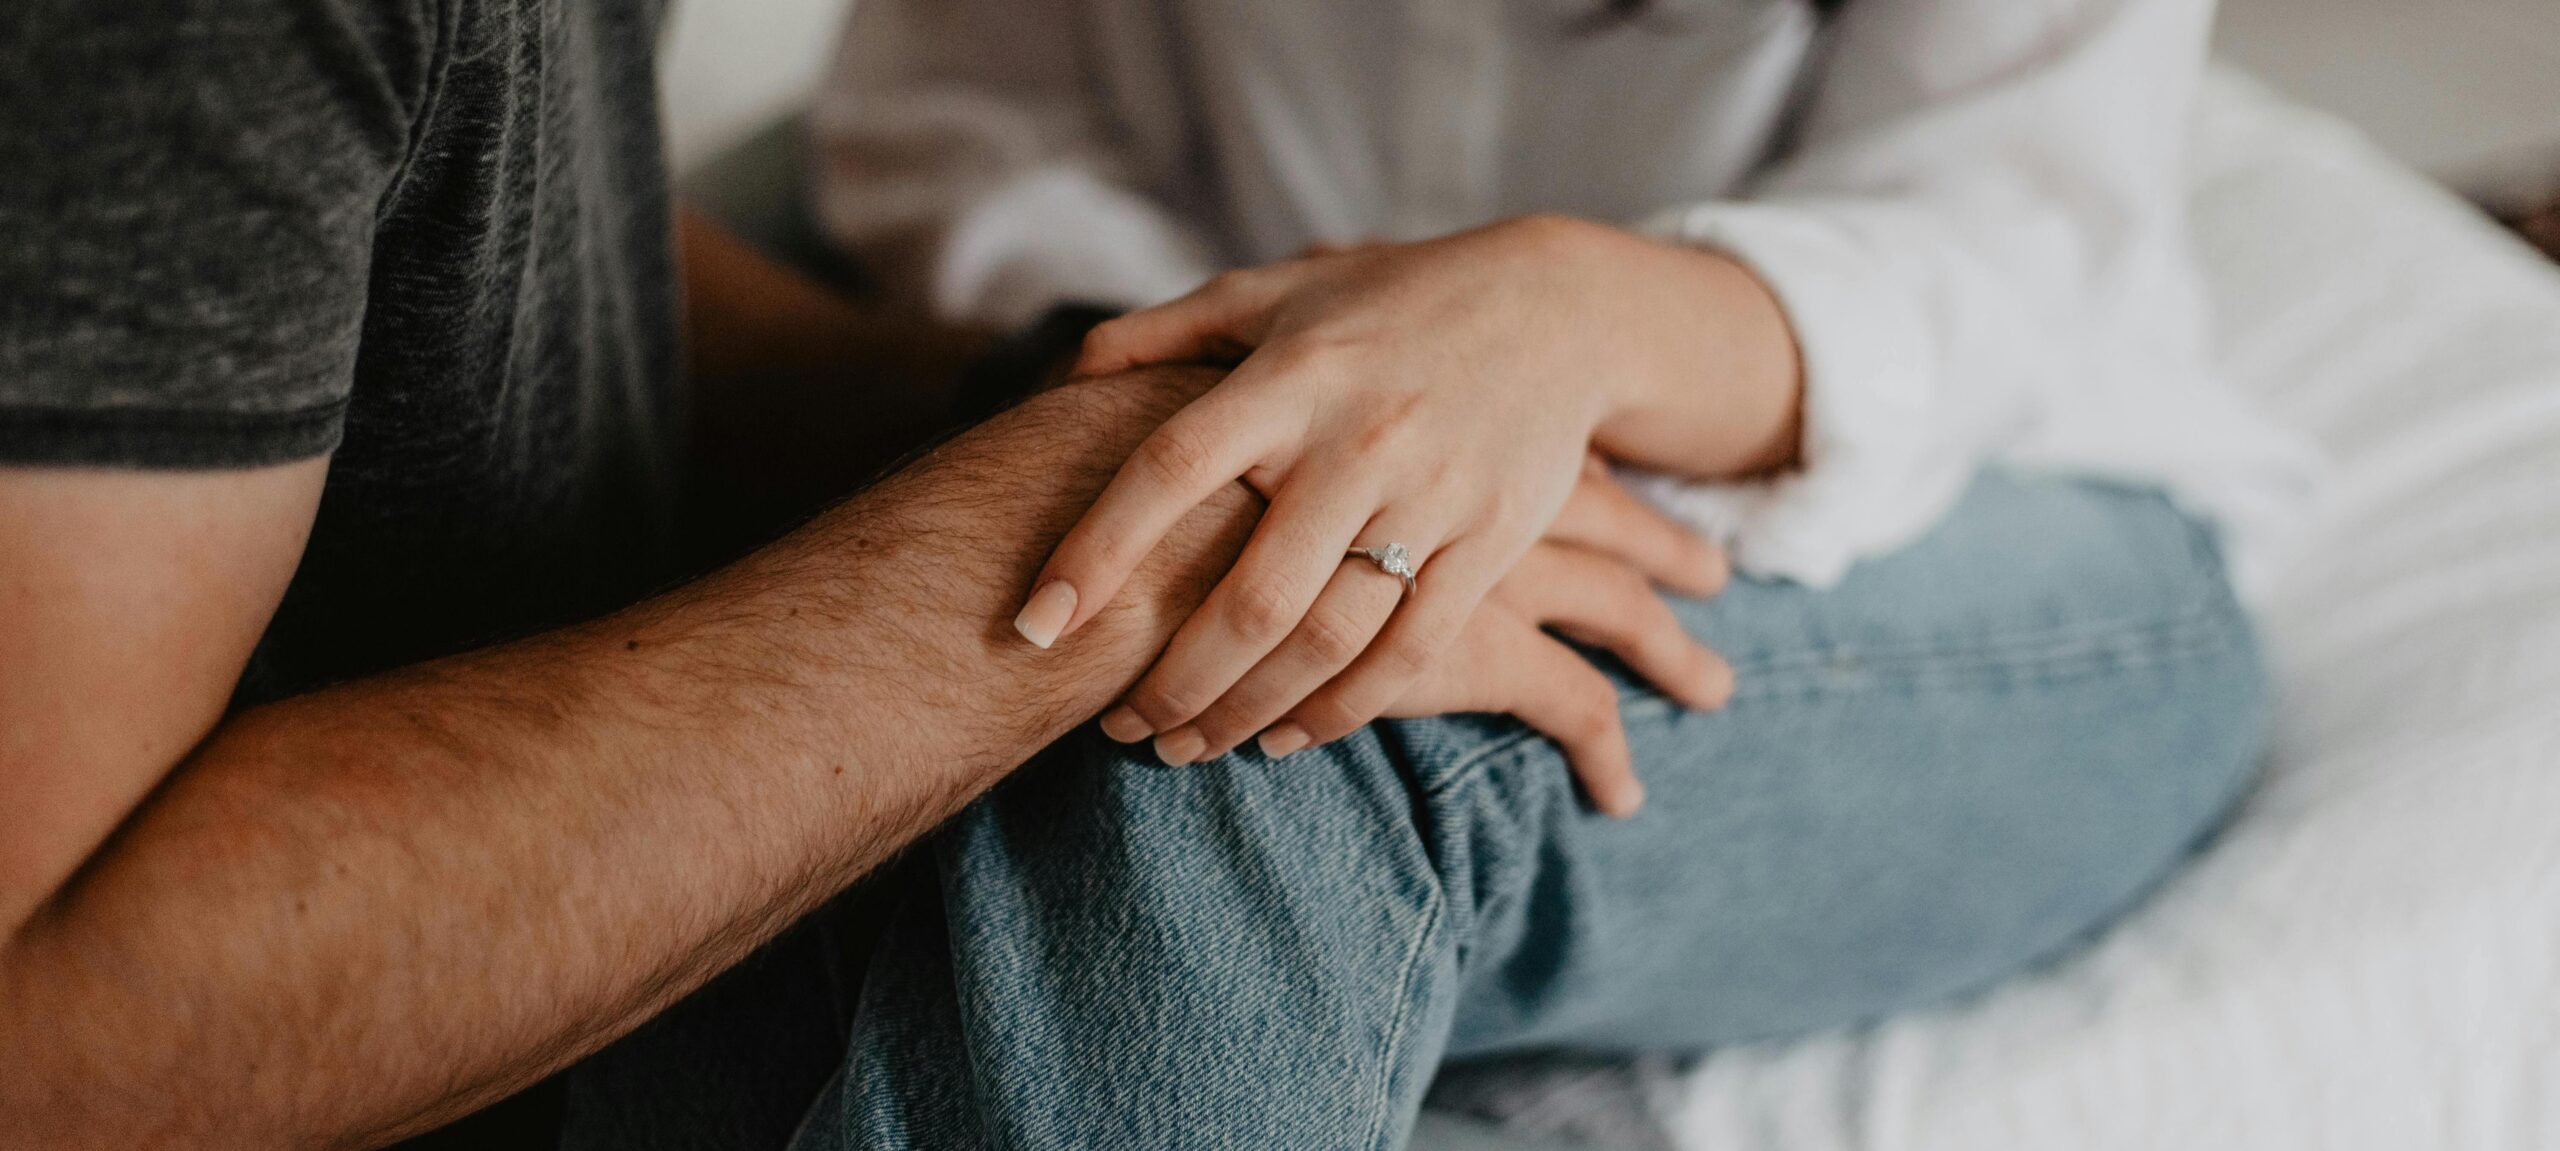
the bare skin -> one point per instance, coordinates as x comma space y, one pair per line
1442, 395
351, 916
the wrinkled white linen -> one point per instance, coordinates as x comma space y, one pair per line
1974, 212
2371, 957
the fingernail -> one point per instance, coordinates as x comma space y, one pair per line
1180, 746
1631, 804
1282, 739
1123, 723
1047, 613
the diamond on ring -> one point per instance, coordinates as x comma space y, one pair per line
1394, 559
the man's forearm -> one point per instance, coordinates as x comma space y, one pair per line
356, 913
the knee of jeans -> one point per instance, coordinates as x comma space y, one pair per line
1356, 794
1408, 797
2025, 571
2230, 697
2225, 692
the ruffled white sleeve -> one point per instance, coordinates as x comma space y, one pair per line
1984, 204
968, 151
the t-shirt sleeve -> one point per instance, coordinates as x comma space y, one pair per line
186, 224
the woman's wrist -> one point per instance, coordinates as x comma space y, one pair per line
1711, 382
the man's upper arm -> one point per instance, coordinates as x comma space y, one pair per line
129, 603
186, 234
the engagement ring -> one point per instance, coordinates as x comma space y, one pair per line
1392, 559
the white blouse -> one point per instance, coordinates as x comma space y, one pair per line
1973, 211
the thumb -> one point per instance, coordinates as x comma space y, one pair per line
1220, 321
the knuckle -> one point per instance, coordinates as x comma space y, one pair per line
1260, 612
1311, 356
1325, 720
1377, 449
1163, 707
1221, 724
1179, 455
1503, 505
1343, 708
1402, 660
1330, 639
1391, 431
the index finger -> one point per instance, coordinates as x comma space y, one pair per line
1204, 446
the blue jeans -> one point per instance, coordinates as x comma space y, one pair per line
1966, 758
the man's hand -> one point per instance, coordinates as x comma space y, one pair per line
351, 915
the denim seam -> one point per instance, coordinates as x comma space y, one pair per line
1434, 907
2188, 634
2049, 663
2053, 642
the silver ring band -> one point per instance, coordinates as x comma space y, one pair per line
1392, 559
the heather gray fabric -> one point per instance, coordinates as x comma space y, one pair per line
430, 235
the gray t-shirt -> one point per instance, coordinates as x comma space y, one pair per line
431, 236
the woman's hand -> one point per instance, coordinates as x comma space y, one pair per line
1503, 662
1441, 395
1591, 580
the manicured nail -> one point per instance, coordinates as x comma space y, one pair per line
1180, 746
1047, 613
1123, 723
1282, 739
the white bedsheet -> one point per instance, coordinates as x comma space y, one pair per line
2371, 958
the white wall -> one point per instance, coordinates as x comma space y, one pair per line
732, 65
2467, 89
